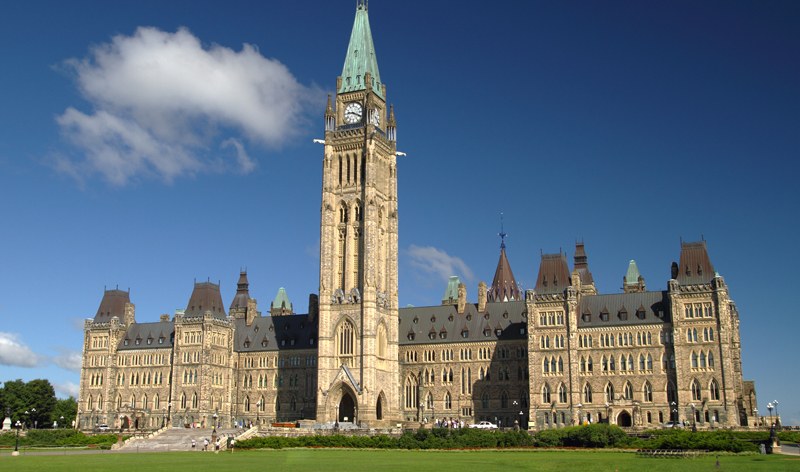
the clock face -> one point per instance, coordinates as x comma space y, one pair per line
375, 117
352, 113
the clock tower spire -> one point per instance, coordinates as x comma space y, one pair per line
358, 370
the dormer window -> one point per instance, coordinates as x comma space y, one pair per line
149, 341
586, 317
604, 315
487, 332
699, 270
498, 332
433, 319
126, 342
450, 318
640, 313
432, 335
161, 340
469, 317
623, 315
255, 329
247, 344
410, 336
465, 333
264, 343
415, 320
311, 341
138, 341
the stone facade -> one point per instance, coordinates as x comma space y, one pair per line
556, 355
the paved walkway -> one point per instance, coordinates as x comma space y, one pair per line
178, 439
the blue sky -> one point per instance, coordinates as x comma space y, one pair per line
149, 144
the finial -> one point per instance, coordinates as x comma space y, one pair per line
502, 233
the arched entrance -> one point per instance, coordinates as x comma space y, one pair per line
347, 407
624, 419
379, 409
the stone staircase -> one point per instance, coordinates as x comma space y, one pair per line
177, 439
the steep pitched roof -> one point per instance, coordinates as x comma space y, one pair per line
112, 304
504, 286
275, 333
281, 302
443, 324
158, 335
360, 57
632, 275
451, 292
205, 297
553, 274
242, 292
641, 308
695, 265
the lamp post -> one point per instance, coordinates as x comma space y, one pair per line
16, 444
694, 419
777, 416
769, 407
258, 412
674, 414
580, 418
755, 414
62, 420
214, 429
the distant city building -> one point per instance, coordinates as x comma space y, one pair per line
555, 355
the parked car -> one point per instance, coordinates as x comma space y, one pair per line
484, 425
103, 427
670, 425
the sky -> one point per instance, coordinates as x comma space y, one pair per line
145, 145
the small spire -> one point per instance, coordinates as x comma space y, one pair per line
502, 233
329, 109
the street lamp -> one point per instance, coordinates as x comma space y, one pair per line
694, 422
674, 413
755, 414
769, 407
777, 416
258, 412
62, 420
16, 444
215, 416
580, 418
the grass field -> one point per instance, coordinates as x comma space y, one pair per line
322, 460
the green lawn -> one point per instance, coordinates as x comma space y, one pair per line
350, 460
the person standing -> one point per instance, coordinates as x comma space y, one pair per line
194, 444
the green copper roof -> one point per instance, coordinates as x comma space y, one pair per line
632, 276
360, 57
281, 300
452, 289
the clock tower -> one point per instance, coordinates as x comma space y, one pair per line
358, 371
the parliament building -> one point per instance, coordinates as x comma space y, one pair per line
559, 354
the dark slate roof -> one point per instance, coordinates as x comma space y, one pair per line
504, 286
275, 333
242, 292
113, 304
695, 265
138, 335
651, 302
205, 297
582, 264
446, 325
553, 274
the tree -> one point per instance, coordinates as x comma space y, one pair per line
67, 408
37, 398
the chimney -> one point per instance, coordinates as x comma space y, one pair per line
482, 297
462, 298
313, 307
130, 314
252, 311
164, 317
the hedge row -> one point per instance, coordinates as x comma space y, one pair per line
58, 437
591, 436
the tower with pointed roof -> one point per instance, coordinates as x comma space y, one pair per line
358, 367
504, 286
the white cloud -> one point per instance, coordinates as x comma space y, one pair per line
434, 261
66, 389
14, 352
163, 104
69, 360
